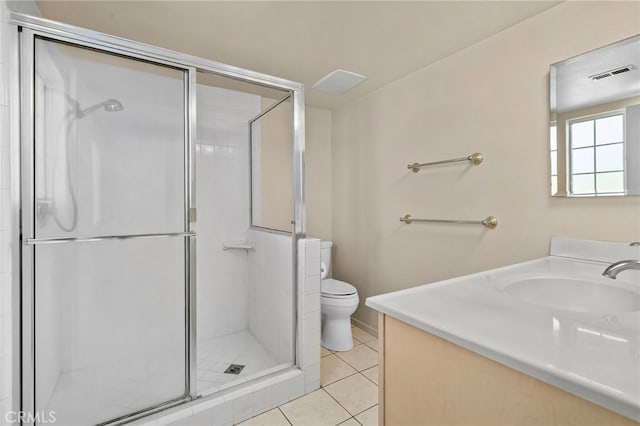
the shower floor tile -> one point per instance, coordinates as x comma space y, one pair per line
89, 395
215, 355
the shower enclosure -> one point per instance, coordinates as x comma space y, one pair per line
119, 143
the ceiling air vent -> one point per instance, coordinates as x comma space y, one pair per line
339, 81
611, 73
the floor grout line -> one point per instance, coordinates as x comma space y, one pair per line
368, 408
285, 416
336, 381
352, 415
338, 402
347, 362
365, 376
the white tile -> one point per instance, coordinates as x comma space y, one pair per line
315, 409
360, 357
5, 254
5, 170
243, 407
296, 386
362, 335
311, 356
5, 212
312, 266
302, 247
350, 422
311, 322
312, 386
368, 417
372, 373
201, 417
222, 414
355, 393
280, 392
373, 344
301, 273
312, 302
333, 368
263, 400
312, 284
313, 249
177, 418
270, 418
312, 378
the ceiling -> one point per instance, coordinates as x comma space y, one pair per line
575, 90
303, 41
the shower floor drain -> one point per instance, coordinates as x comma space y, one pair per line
234, 369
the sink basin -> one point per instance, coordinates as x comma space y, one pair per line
575, 295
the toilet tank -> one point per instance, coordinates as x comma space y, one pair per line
325, 258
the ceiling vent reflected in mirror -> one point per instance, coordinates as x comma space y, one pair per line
339, 81
612, 72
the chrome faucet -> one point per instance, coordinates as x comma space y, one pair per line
614, 269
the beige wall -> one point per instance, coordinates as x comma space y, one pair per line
276, 193
276, 173
318, 172
493, 98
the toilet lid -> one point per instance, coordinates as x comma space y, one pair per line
336, 288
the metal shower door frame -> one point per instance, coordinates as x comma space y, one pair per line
27, 39
23, 195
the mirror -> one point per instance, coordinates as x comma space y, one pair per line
595, 122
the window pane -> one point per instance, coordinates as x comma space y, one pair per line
554, 184
582, 134
554, 163
609, 130
609, 158
610, 182
582, 160
582, 184
553, 137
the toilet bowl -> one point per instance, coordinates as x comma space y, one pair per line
338, 300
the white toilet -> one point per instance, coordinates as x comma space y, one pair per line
338, 300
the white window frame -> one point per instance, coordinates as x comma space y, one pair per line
595, 173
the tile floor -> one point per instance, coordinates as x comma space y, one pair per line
348, 395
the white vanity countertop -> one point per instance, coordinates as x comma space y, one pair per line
593, 355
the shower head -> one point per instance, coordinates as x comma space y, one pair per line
112, 105
109, 105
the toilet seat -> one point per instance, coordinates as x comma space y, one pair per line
336, 289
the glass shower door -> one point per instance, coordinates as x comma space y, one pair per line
108, 240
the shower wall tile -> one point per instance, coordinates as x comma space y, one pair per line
309, 311
243, 404
222, 198
7, 234
271, 292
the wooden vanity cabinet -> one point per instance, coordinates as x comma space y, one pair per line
426, 380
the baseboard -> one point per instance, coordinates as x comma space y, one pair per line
364, 326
